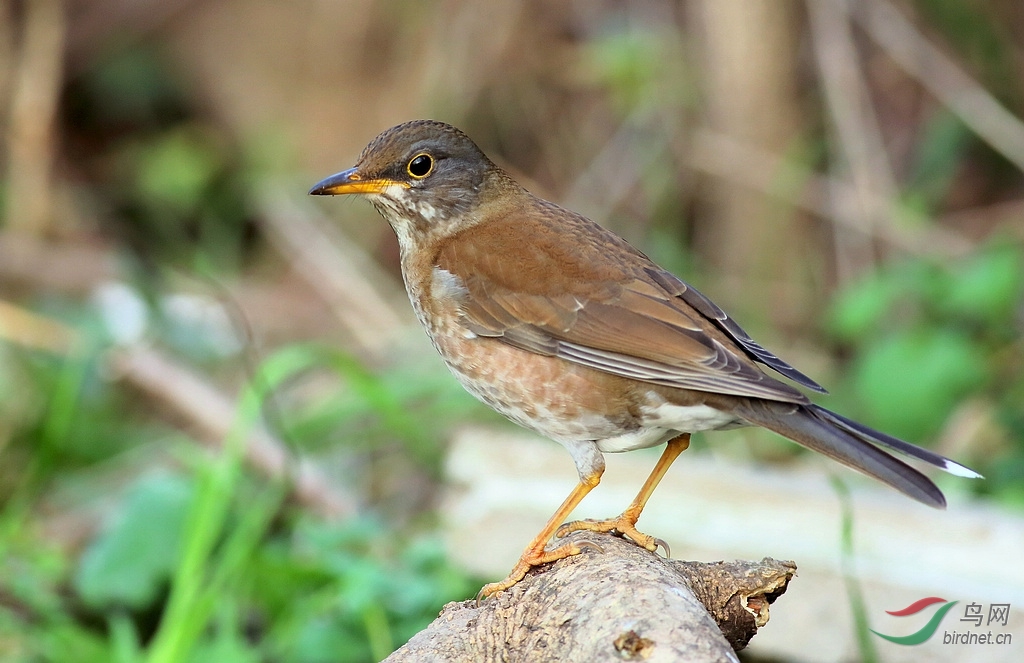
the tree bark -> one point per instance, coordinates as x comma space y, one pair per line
622, 604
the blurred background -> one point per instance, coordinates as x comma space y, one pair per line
224, 437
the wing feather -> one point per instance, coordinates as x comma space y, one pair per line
633, 319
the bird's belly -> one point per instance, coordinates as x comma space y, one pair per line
639, 439
685, 418
661, 421
551, 396
541, 393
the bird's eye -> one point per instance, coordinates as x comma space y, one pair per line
420, 166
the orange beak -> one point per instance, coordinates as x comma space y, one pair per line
350, 181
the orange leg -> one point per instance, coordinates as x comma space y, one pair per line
535, 553
625, 523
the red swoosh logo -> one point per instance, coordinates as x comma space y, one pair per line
916, 606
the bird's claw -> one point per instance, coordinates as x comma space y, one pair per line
623, 525
531, 559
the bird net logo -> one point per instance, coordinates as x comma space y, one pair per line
975, 627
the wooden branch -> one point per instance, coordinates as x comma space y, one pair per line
975, 106
623, 604
33, 106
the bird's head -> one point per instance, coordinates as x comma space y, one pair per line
427, 178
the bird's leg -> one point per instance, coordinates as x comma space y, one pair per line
625, 523
535, 553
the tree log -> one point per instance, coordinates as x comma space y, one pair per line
622, 604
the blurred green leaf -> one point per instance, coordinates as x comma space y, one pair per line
886, 300
365, 589
940, 155
226, 644
132, 560
177, 168
203, 573
911, 380
130, 86
859, 309
321, 641
58, 640
989, 287
124, 638
642, 69
1004, 477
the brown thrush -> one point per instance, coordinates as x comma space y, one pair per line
566, 329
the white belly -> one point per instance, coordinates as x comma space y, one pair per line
663, 421
688, 418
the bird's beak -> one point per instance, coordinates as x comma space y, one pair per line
350, 181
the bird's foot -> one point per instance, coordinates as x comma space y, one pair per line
623, 524
531, 558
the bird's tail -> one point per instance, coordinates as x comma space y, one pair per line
854, 445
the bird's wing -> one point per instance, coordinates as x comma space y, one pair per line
707, 308
604, 305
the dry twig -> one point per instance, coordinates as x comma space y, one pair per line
357, 289
30, 133
944, 78
860, 148
726, 157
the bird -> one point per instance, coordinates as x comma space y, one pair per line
569, 331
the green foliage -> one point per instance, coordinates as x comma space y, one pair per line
61, 415
927, 333
177, 186
129, 88
365, 591
641, 69
939, 157
373, 408
131, 561
176, 169
231, 571
911, 379
987, 290
173, 183
36, 623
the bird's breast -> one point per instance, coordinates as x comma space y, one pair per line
550, 395
546, 394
